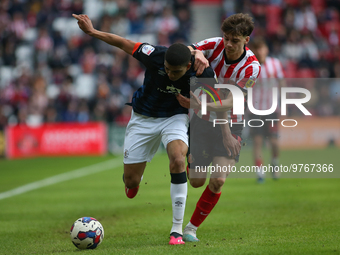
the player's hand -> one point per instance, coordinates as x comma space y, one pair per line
193, 103
201, 62
232, 145
84, 23
183, 101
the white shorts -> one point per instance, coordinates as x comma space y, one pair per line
144, 134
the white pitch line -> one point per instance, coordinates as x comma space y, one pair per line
81, 172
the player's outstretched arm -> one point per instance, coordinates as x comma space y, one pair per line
227, 104
85, 24
195, 103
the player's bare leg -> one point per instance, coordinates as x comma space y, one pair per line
257, 153
274, 143
177, 150
208, 199
132, 176
197, 177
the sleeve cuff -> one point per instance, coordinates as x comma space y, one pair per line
193, 46
136, 47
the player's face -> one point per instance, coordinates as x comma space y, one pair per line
234, 45
175, 72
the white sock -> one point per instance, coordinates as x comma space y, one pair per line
275, 161
190, 225
178, 194
260, 173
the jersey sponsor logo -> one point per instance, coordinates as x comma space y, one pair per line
250, 82
147, 49
171, 89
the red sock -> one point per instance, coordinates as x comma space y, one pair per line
258, 162
204, 206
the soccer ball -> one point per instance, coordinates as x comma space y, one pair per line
87, 233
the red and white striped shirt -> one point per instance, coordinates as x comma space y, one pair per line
238, 72
271, 72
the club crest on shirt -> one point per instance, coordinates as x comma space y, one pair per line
250, 82
147, 49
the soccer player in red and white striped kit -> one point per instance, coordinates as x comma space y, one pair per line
272, 75
234, 62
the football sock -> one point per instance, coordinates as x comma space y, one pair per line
190, 225
258, 162
275, 161
178, 192
275, 165
260, 173
204, 206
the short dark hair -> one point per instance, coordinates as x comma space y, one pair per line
239, 24
178, 55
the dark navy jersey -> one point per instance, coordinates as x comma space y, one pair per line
157, 96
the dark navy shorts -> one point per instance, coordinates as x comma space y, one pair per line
206, 142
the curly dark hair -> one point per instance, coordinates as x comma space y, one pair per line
239, 24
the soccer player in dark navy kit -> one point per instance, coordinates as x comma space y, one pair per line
157, 115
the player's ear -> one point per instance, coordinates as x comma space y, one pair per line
247, 40
189, 65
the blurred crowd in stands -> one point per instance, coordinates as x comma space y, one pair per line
50, 71
305, 36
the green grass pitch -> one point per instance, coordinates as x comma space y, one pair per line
288, 216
